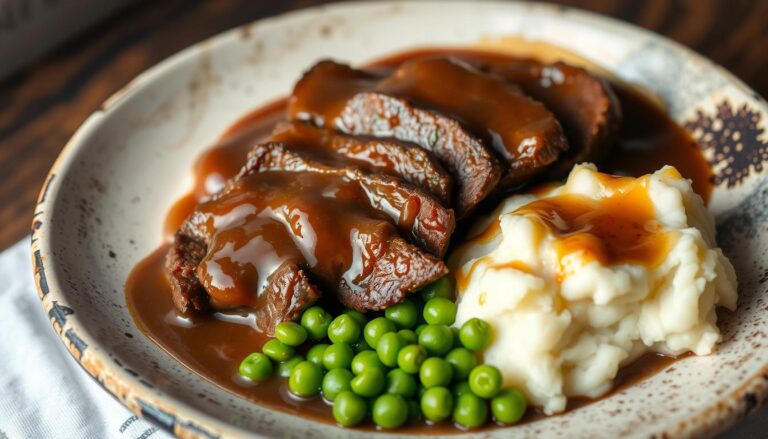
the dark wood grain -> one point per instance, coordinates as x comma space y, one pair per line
42, 107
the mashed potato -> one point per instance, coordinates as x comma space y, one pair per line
580, 279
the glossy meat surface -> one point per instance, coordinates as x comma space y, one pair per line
584, 103
521, 131
336, 96
404, 160
268, 232
415, 213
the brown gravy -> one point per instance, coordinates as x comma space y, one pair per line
611, 231
213, 346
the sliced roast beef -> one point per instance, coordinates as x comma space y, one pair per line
398, 268
258, 243
181, 263
475, 170
522, 131
321, 93
287, 290
286, 294
462, 115
391, 156
415, 212
334, 95
584, 103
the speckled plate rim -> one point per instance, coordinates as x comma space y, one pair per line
191, 422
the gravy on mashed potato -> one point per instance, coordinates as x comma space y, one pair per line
581, 279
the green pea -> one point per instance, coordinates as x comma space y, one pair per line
388, 347
460, 388
305, 379
291, 334
316, 353
366, 360
475, 334
335, 382
390, 411
360, 345
420, 328
435, 372
410, 358
349, 409
316, 321
369, 383
357, 315
277, 351
439, 288
462, 361
404, 314
440, 311
470, 411
437, 404
401, 383
375, 329
284, 368
338, 355
485, 381
408, 336
344, 329
508, 406
414, 410
436, 339
256, 367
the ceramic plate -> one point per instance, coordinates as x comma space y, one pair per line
102, 205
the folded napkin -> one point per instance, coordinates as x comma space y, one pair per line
45, 394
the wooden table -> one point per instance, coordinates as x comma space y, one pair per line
42, 107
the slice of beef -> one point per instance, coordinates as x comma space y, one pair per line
270, 236
399, 268
415, 212
522, 131
391, 156
475, 170
584, 103
287, 292
321, 93
181, 263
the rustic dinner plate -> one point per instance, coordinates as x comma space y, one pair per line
102, 206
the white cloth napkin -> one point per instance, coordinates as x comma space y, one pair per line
45, 394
